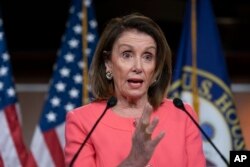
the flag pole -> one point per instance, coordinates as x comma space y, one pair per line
85, 57
194, 57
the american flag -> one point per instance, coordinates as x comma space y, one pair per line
65, 92
13, 151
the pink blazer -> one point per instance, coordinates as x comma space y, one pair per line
110, 143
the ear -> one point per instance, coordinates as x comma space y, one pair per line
108, 65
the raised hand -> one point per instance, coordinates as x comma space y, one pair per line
143, 144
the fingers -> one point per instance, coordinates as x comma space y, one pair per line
143, 145
145, 128
157, 139
150, 128
145, 118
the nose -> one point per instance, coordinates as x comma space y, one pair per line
137, 68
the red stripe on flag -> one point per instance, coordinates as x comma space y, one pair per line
1, 161
25, 156
54, 147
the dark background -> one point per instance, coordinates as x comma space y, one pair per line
34, 29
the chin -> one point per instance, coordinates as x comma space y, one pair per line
135, 95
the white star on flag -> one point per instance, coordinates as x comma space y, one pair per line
3, 71
72, 9
69, 57
87, 51
80, 64
6, 56
77, 29
73, 43
73, 93
11, 92
78, 78
80, 15
51, 116
90, 37
65, 72
60, 87
93, 23
69, 107
87, 3
55, 101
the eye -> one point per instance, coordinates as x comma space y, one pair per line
126, 54
148, 56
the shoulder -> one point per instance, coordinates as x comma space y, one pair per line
168, 103
167, 107
91, 107
87, 112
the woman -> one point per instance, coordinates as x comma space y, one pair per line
133, 63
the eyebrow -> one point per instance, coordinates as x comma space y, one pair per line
130, 46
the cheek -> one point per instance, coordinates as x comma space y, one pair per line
120, 68
150, 72
120, 73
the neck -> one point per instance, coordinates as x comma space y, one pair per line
130, 107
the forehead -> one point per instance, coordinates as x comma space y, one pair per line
133, 36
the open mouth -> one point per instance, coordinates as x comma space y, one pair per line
135, 83
135, 80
